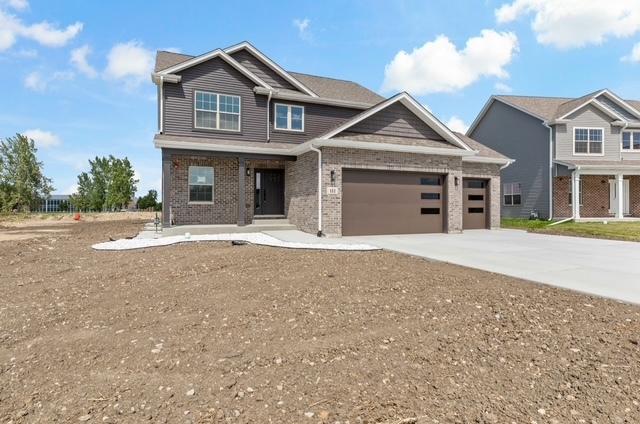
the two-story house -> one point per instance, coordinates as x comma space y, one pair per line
243, 139
574, 157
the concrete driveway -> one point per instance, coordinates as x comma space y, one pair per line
601, 267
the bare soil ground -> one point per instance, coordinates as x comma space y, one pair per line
245, 334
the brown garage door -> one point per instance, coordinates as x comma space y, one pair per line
387, 202
474, 204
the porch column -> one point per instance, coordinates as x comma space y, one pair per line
575, 194
620, 195
242, 171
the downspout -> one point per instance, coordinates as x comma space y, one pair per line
319, 189
268, 113
161, 91
550, 170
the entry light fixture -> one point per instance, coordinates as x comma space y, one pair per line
248, 172
333, 177
456, 181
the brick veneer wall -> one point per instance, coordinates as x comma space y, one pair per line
490, 172
335, 159
223, 209
301, 192
595, 189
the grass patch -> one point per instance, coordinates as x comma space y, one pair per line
627, 231
523, 223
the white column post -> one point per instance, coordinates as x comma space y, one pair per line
620, 195
575, 194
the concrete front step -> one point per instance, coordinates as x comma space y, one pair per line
270, 221
228, 229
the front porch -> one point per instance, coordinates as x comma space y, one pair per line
597, 196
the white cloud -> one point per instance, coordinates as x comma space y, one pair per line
502, 87
79, 60
438, 66
575, 23
130, 62
303, 27
634, 55
16, 4
42, 138
35, 82
45, 33
457, 124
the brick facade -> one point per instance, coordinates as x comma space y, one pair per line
301, 192
491, 173
595, 196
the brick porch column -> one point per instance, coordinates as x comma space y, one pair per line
242, 171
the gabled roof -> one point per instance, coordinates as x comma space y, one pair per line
245, 45
411, 104
321, 87
212, 55
549, 109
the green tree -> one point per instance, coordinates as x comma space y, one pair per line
82, 198
22, 181
150, 200
121, 184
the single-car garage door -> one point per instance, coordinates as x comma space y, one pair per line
474, 203
388, 202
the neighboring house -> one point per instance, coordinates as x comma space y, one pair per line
56, 203
587, 147
243, 139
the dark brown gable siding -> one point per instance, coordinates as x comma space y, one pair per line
261, 70
217, 76
318, 119
398, 121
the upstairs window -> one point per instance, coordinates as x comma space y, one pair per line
588, 141
217, 111
289, 117
631, 141
512, 194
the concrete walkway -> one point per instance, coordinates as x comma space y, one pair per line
601, 267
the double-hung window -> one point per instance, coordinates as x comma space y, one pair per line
200, 184
631, 141
588, 141
289, 117
512, 194
215, 111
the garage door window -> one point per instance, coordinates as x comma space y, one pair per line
430, 211
476, 210
430, 196
434, 181
476, 197
475, 184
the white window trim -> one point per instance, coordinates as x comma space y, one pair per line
217, 112
213, 181
588, 129
580, 193
631, 149
288, 106
511, 193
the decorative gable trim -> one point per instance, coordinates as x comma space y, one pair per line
271, 64
416, 108
594, 100
208, 56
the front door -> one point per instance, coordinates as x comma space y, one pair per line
613, 196
269, 193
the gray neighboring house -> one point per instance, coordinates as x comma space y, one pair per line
242, 140
586, 147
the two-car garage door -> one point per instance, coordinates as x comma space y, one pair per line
388, 202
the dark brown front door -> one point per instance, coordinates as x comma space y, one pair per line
474, 204
387, 202
269, 193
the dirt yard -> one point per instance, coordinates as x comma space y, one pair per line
244, 334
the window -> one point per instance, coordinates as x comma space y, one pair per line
217, 111
475, 197
631, 140
512, 194
579, 193
200, 184
588, 141
430, 181
430, 196
289, 117
430, 211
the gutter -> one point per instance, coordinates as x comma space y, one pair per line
161, 95
277, 94
268, 111
314, 149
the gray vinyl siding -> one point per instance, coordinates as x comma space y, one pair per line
318, 119
522, 137
216, 76
397, 121
616, 108
261, 70
590, 117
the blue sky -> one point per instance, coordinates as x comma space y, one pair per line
75, 74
